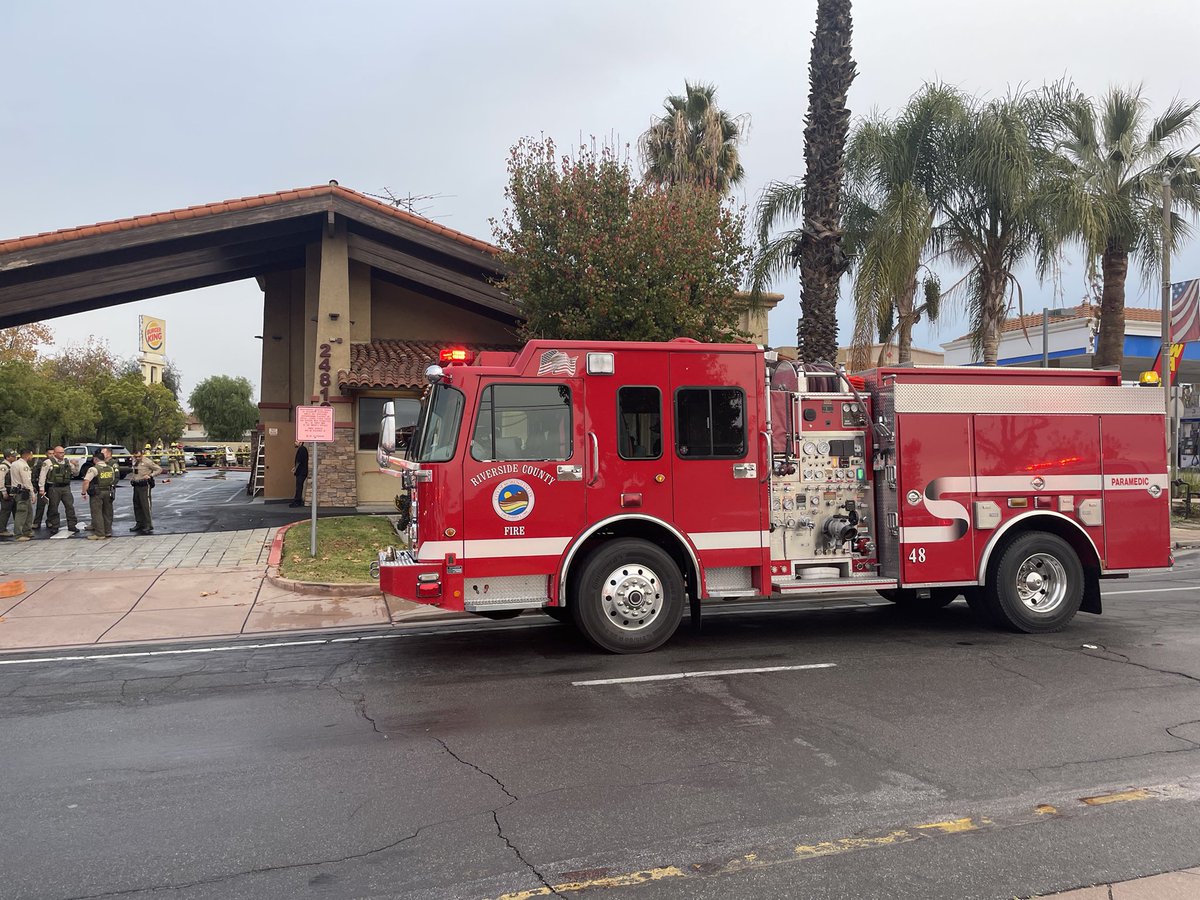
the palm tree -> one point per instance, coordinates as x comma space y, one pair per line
694, 142
897, 179
998, 211
822, 260
1111, 159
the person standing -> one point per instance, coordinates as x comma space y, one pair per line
20, 478
99, 485
300, 470
142, 479
54, 483
39, 511
6, 499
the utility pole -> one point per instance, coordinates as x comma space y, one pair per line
1166, 322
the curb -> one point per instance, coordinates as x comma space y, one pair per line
311, 588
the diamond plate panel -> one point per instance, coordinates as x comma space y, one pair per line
507, 591
727, 578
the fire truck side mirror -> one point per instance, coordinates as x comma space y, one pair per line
387, 428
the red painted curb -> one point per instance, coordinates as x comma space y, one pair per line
276, 553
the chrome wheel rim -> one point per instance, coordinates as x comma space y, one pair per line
632, 597
1041, 583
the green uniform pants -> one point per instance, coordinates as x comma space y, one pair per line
23, 518
6, 513
39, 511
56, 494
101, 506
142, 503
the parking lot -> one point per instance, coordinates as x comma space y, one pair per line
202, 500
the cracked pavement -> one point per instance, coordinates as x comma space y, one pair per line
462, 762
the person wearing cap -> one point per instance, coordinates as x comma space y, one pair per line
7, 503
54, 484
20, 488
99, 485
142, 479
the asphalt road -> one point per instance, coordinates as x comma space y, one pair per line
927, 758
202, 500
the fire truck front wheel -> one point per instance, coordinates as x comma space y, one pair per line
1037, 585
628, 596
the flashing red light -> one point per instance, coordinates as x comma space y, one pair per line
457, 355
859, 382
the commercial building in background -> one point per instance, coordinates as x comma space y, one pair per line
152, 348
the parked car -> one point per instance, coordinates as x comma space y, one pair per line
80, 457
205, 456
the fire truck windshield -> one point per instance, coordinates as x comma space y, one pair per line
437, 425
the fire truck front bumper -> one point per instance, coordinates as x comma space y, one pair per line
400, 575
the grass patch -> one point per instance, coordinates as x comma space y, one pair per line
346, 547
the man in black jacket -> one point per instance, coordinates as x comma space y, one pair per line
300, 470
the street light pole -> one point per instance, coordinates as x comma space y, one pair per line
1165, 353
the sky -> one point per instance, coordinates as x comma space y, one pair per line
124, 108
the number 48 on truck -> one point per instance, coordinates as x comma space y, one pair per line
616, 484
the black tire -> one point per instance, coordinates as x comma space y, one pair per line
558, 613
1036, 586
499, 615
629, 597
912, 601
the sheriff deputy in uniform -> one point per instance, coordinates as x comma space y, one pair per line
99, 485
7, 502
142, 479
54, 484
20, 488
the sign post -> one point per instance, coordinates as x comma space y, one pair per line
314, 424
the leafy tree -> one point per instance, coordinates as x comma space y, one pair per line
591, 253
87, 362
173, 379
897, 179
694, 142
225, 407
23, 341
821, 258
1112, 157
18, 382
999, 211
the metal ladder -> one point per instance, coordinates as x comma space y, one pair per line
260, 465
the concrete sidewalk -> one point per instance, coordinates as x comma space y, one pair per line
1182, 885
94, 608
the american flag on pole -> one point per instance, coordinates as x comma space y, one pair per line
1185, 311
555, 362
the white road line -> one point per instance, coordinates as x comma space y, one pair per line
675, 676
1149, 591
416, 631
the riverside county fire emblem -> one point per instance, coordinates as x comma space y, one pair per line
512, 499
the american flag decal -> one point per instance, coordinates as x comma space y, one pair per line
1185, 311
555, 362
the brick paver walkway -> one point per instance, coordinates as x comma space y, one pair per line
155, 551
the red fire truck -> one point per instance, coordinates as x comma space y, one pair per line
613, 483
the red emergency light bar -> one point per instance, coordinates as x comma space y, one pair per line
457, 355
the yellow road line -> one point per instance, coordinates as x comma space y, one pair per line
953, 826
1117, 797
611, 881
770, 857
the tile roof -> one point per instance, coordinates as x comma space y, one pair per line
47, 238
399, 364
1085, 310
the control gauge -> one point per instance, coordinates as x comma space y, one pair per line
823, 447
810, 448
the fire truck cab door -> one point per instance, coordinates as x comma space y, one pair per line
523, 484
716, 453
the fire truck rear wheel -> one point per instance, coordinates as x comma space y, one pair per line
628, 597
1037, 585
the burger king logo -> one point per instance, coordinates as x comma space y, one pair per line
153, 334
